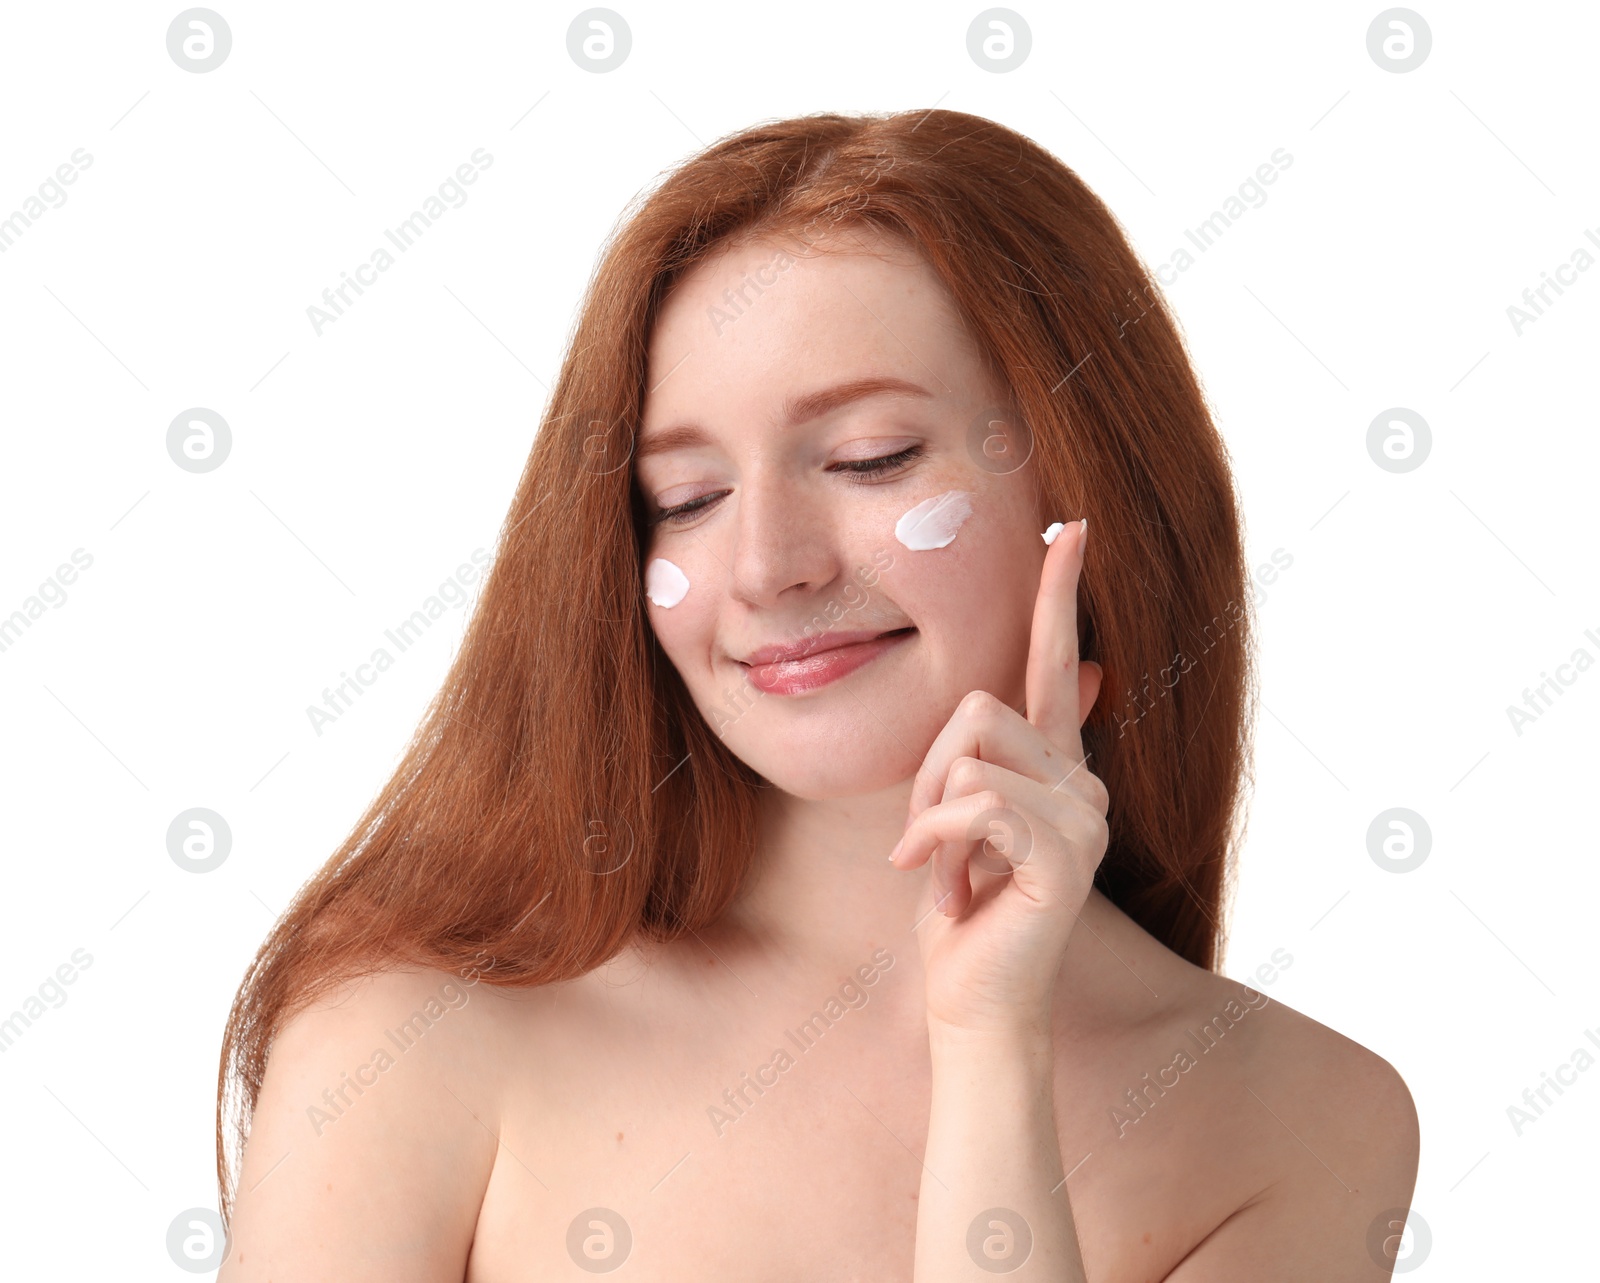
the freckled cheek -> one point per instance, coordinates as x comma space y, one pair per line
953, 568
940, 593
681, 602
935, 519
897, 526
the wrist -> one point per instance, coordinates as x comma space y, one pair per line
1011, 1069
1015, 1038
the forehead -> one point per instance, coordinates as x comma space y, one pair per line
765, 317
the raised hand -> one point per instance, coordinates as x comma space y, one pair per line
1014, 822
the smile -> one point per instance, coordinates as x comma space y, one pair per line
797, 676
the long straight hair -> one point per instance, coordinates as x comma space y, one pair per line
564, 797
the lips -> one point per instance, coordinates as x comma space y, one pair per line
815, 645
820, 661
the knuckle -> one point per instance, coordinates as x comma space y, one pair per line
1096, 832
966, 775
993, 800
979, 705
1096, 793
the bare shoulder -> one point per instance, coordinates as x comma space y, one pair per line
1288, 1054
374, 1134
1321, 1138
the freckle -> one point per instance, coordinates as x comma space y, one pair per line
1147, 1236
619, 1141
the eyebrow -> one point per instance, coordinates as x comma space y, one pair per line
796, 411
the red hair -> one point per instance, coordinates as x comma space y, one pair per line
563, 795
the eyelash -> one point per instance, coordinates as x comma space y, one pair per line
859, 467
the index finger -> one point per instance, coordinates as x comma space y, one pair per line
1052, 683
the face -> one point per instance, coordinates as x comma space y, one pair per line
813, 465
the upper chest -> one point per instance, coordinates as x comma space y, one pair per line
772, 1144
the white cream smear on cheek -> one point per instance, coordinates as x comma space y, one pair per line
664, 583
933, 522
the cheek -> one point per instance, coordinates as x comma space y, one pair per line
666, 583
918, 531
934, 522
964, 566
680, 602
937, 543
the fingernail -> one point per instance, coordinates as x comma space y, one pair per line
896, 850
1083, 537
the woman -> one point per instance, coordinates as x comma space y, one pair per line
771, 603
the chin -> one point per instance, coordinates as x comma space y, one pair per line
818, 772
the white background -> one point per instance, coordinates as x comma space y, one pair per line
369, 462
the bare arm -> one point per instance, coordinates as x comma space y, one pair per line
993, 1199
1011, 796
365, 1161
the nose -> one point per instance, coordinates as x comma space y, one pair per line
783, 539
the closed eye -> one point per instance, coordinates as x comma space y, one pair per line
878, 467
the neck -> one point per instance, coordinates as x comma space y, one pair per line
822, 894
823, 897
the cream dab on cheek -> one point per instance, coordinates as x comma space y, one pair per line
933, 522
664, 583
